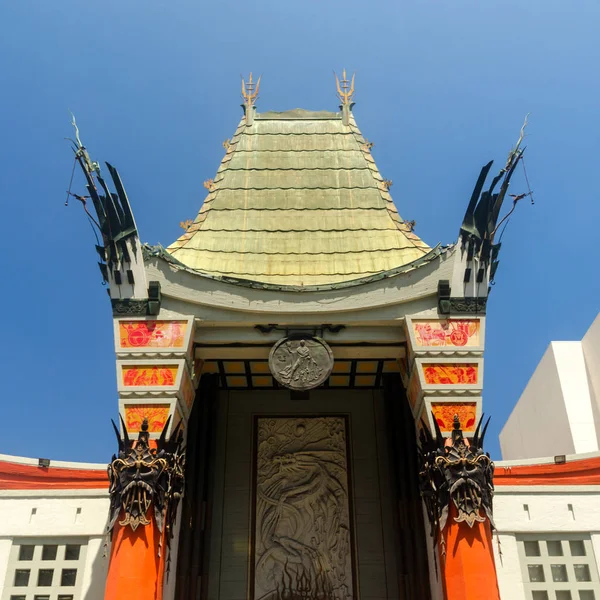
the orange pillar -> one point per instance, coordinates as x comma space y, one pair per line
135, 571
469, 569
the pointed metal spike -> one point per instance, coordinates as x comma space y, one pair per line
126, 440
425, 432
117, 433
438, 432
477, 430
176, 431
484, 432
163, 435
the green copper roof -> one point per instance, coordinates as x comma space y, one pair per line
298, 200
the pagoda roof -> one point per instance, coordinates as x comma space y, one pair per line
298, 201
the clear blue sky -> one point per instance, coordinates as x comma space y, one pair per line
442, 87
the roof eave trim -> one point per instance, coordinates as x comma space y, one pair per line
159, 252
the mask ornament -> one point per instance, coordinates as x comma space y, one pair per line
142, 476
455, 471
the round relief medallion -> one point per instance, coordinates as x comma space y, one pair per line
301, 363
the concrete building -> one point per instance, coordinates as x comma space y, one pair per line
564, 395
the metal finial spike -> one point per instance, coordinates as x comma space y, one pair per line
250, 90
74, 123
345, 88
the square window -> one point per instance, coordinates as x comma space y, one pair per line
43, 597
72, 551
45, 577
49, 552
22, 577
18, 597
586, 595
582, 573
577, 548
563, 595
536, 573
532, 548
65, 597
26, 552
559, 573
554, 548
539, 595
68, 577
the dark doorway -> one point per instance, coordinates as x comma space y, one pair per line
408, 542
194, 533
412, 560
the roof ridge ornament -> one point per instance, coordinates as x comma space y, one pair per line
481, 221
345, 92
250, 94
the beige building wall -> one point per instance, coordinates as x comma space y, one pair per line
559, 410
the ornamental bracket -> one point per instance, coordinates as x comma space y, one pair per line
142, 477
455, 475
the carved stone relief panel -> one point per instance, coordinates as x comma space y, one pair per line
302, 539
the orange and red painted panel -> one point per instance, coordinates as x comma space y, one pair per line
444, 412
157, 415
451, 373
453, 333
149, 375
152, 334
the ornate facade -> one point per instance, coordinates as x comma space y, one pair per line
323, 367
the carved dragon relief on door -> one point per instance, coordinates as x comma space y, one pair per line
302, 544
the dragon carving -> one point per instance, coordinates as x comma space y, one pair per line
142, 477
455, 471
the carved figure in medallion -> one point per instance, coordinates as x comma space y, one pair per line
301, 364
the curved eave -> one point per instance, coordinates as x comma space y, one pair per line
410, 289
160, 252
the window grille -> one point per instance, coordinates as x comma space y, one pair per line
45, 569
558, 567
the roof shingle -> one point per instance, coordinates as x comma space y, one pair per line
298, 200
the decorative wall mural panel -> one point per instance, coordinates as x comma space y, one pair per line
149, 375
444, 414
152, 334
157, 415
451, 374
302, 539
451, 332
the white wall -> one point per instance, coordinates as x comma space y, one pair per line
54, 513
547, 511
559, 410
538, 423
591, 349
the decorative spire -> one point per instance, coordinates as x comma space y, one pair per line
114, 217
250, 94
345, 92
480, 224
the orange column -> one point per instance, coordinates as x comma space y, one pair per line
135, 571
469, 569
